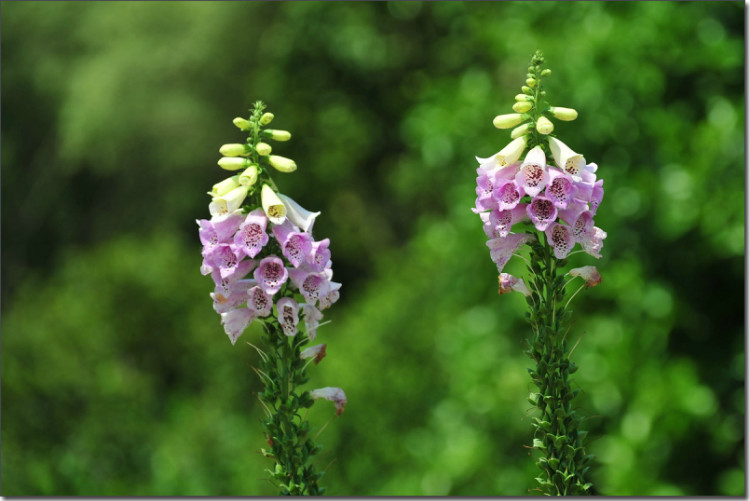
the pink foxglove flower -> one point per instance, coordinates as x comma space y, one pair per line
288, 315
251, 236
271, 274
335, 395
542, 212
312, 285
259, 302
296, 246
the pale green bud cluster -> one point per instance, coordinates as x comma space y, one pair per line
531, 121
254, 163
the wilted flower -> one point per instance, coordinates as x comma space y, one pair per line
588, 273
335, 395
317, 352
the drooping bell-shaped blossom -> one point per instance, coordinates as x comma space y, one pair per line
542, 212
588, 273
582, 226
271, 274
223, 284
592, 242
511, 152
560, 239
317, 353
561, 188
219, 230
295, 246
597, 193
320, 255
509, 283
501, 222
565, 158
312, 317
300, 217
235, 322
237, 296
335, 395
331, 297
288, 315
259, 302
507, 195
251, 235
502, 249
484, 190
272, 205
223, 257
312, 285
532, 176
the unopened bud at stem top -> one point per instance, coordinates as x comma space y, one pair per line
282, 164
263, 149
508, 120
234, 150
266, 118
277, 135
544, 126
233, 163
561, 113
241, 123
520, 130
522, 107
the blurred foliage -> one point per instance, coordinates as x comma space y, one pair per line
117, 378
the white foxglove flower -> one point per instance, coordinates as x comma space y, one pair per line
272, 205
299, 216
565, 158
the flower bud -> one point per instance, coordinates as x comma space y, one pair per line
531, 82
263, 149
523, 97
507, 121
234, 150
233, 163
272, 205
561, 113
520, 130
526, 89
546, 73
266, 118
544, 125
282, 164
225, 186
278, 135
241, 123
522, 107
249, 176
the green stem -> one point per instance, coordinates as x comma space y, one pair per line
563, 461
286, 429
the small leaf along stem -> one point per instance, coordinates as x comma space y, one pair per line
564, 460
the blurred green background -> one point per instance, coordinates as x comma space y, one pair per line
117, 378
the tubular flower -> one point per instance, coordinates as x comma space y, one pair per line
565, 158
288, 315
